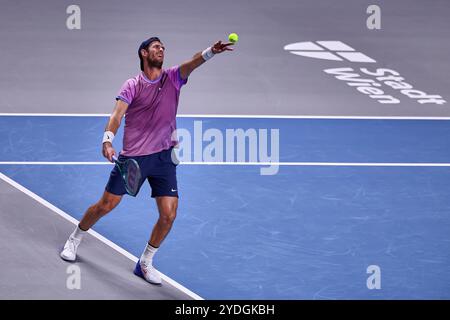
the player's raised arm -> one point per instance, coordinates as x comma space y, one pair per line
200, 57
111, 128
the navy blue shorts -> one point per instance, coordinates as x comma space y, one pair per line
159, 170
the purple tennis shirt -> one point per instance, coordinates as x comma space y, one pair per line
150, 119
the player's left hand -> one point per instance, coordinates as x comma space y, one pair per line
220, 47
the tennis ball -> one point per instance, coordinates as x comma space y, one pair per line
233, 37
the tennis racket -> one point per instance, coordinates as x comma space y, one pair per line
131, 174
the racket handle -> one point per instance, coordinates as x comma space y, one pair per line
114, 158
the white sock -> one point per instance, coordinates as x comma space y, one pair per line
147, 255
78, 233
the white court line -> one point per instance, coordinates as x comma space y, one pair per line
93, 233
54, 114
70, 163
327, 164
312, 164
307, 117
250, 116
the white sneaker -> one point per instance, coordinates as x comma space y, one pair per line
69, 253
148, 272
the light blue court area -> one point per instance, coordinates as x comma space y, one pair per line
308, 232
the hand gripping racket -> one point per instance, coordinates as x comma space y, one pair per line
131, 174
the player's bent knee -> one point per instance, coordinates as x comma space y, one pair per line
167, 209
105, 207
108, 203
169, 216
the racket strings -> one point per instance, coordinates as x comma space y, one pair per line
133, 177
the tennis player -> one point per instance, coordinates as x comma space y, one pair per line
149, 102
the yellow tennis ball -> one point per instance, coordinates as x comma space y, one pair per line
233, 37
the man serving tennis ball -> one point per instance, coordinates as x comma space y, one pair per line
150, 102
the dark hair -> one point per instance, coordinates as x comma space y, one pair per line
144, 45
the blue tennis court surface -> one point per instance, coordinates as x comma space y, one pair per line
308, 232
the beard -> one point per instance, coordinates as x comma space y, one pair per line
153, 63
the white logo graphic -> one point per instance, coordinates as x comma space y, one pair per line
74, 279
365, 81
328, 50
374, 20
173, 190
374, 280
229, 146
73, 21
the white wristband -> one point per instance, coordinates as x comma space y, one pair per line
207, 54
108, 136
